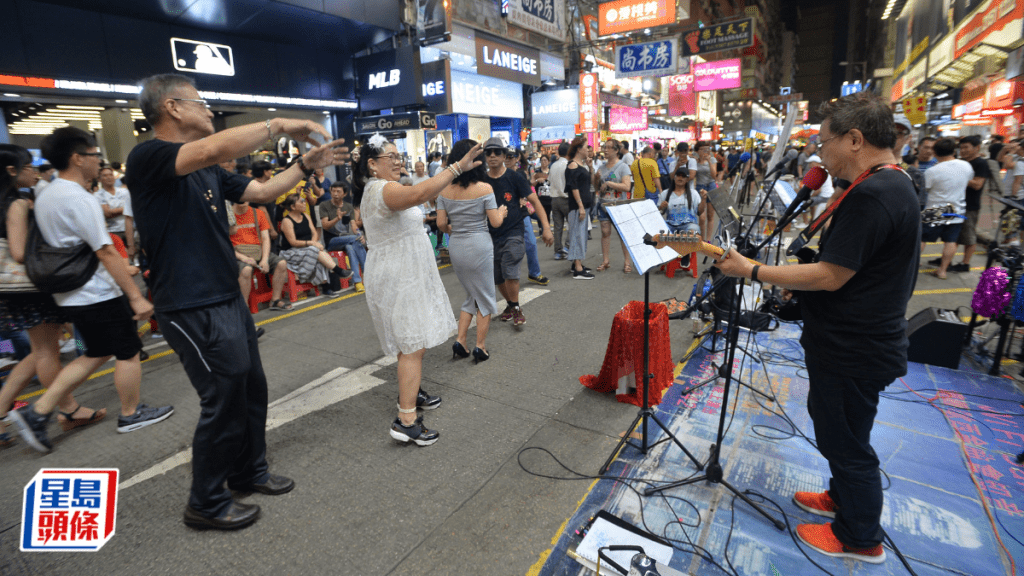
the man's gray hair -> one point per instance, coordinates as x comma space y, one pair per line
865, 112
155, 90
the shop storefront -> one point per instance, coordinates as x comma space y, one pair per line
89, 78
554, 115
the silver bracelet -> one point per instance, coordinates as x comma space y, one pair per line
270, 133
454, 170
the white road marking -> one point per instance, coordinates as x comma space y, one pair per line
331, 388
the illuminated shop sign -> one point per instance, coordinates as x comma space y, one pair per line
628, 15
202, 57
718, 75
507, 61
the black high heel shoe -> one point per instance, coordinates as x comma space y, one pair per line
479, 355
459, 351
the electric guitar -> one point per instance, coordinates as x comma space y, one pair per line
686, 242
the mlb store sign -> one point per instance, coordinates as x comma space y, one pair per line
69, 510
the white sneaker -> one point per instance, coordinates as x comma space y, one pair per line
68, 345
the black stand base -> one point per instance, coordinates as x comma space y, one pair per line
642, 416
715, 475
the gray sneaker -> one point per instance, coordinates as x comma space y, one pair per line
143, 416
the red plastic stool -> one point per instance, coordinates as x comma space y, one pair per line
342, 259
261, 290
292, 288
671, 267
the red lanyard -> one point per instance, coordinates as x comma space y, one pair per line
819, 222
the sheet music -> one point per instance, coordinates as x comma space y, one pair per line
632, 221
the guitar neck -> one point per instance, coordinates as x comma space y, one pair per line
695, 245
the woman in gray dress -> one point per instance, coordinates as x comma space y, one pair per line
463, 210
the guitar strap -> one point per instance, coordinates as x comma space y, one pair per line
804, 237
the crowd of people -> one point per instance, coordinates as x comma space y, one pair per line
183, 203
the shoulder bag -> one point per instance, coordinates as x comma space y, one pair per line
54, 269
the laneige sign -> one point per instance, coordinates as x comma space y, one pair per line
500, 59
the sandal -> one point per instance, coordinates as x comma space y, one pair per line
935, 273
67, 423
281, 304
603, 267
627, 269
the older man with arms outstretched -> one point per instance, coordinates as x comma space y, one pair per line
178, 194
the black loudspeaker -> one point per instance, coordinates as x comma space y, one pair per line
936, 337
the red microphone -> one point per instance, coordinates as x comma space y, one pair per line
813, 180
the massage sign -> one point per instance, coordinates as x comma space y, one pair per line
507, 61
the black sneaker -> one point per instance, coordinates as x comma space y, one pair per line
417, 433
425, 401
582, 275
540, 279
143, 416
961, 267
32, 427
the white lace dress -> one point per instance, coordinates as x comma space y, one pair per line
408, 303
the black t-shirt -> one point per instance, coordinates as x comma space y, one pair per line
578, 178
860, 329
183, 225
508, 189
981, 170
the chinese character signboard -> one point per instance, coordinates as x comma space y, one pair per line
627, 15
546, 17
718, 37
717, 75
659, 58
590, 103
69, 510
622, 119
681, 98
916, 109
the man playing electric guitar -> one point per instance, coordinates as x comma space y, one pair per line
854, 302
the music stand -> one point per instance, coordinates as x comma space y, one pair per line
632, 222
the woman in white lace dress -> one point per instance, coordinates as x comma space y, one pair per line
408, 303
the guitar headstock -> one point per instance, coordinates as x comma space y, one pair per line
688, 238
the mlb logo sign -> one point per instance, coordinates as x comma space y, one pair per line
69, 510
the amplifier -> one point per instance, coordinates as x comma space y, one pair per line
936, 337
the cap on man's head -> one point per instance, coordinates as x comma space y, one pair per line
494, 143
902, 120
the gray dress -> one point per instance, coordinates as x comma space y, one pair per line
472, 251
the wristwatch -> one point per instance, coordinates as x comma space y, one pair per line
302, 166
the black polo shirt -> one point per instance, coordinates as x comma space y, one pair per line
183, 226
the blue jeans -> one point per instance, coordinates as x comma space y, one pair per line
532, 262
355, 250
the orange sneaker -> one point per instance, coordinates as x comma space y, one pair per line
821, 538
819, 503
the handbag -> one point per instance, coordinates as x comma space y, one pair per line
13, 278
57, 269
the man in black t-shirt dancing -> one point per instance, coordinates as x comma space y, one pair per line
854, 302
178, 194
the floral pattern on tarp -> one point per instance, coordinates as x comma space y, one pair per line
625, 355
991, 297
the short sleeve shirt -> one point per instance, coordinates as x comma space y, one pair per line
68, 215
981, 170
509, 188
616, 174
578, 178
119, 199
645, 174
183, 227
946, 183
330, 211
248, 230
860, 329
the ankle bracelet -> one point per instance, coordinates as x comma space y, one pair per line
406, 410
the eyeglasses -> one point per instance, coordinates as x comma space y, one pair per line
494, 152
822, 143
393, 156
198, 100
